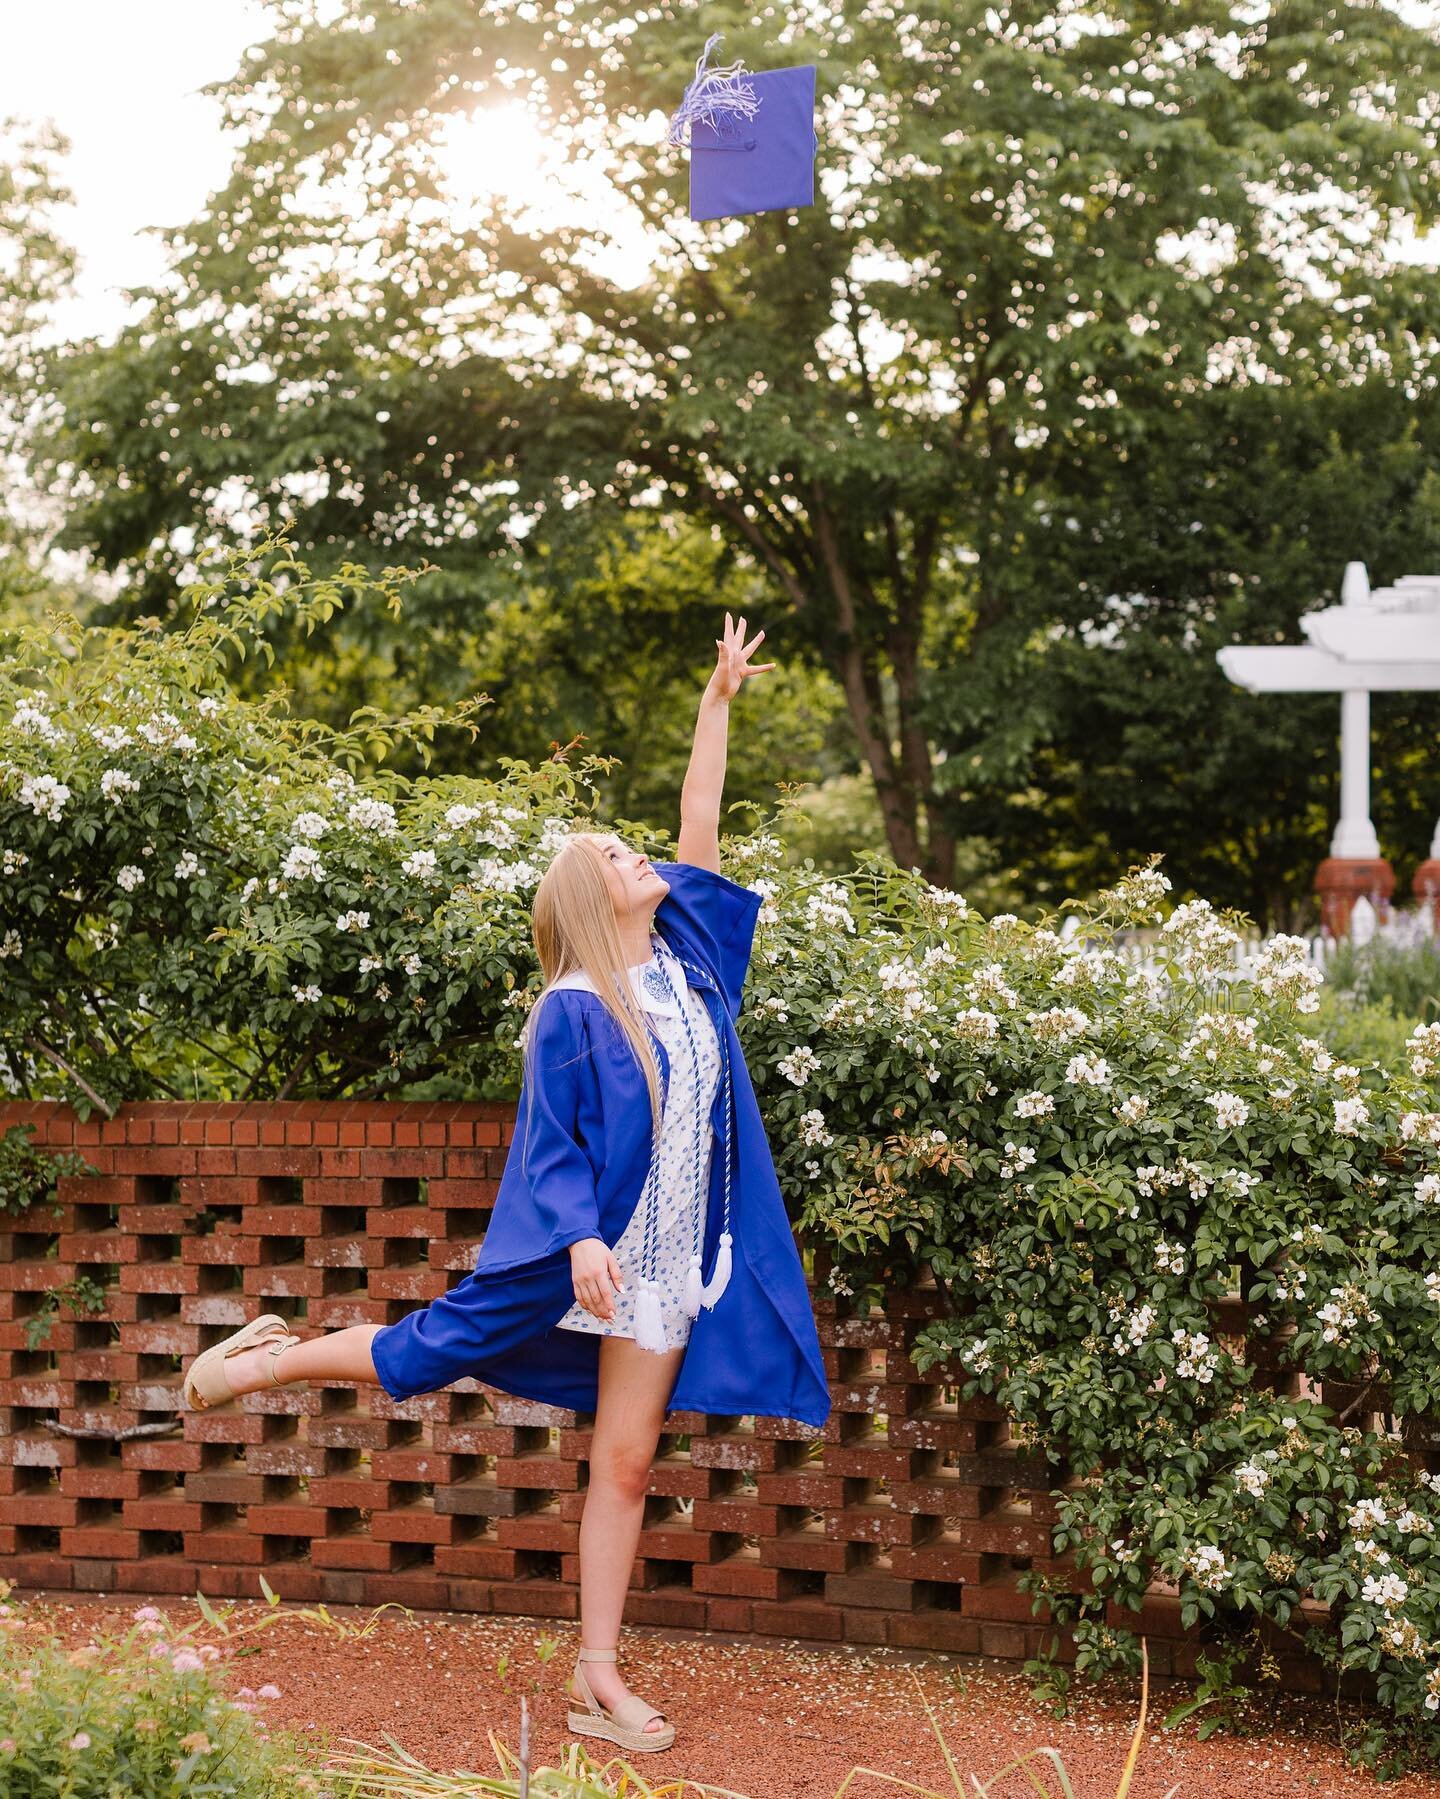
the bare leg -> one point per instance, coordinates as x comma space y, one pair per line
635, 1387
333, 1355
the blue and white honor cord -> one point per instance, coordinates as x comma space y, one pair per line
649, 1318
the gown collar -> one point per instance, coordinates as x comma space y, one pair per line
648, 999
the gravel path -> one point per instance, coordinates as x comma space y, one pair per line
776, 1720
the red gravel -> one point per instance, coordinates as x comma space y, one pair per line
774, 1720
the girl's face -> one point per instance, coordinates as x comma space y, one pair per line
635, 888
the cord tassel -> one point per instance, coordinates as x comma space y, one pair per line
717, 1282
694, 1288
649, 1324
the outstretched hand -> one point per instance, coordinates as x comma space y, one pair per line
733, 664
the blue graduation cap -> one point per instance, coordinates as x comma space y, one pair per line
751, 138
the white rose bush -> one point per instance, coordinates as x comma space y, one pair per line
1161, 1214
1162, 1219
202, 897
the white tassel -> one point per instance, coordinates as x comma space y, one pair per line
694, 1290
718, 1280
649, 1323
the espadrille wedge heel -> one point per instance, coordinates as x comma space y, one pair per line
625, 1724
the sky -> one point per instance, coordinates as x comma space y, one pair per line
121, 79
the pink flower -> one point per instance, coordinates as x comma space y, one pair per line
7, 1746
146, 1613
208, 1652
246, 1693
185, 1661
79, 1740
269, 1690
150, 1627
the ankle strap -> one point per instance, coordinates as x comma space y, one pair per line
275, 1349
597, 1655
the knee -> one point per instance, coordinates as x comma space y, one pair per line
625, 1470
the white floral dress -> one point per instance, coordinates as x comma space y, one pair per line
687, 1111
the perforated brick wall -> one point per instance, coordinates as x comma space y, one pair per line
905, 1523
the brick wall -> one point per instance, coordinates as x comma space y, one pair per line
905, 1524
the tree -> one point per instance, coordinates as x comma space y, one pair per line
1029, 217
1235, 512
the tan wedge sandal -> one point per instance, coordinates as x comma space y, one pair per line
205, 1384
624, 1725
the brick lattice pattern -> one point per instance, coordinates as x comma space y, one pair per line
905, 1523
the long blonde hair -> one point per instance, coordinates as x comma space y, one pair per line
575, 929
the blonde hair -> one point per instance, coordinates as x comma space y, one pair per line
575, 929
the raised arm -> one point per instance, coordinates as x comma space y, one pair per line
705, 778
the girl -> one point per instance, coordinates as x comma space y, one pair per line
639, 1259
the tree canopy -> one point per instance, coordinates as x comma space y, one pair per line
1031, 224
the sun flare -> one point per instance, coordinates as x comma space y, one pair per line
501, 153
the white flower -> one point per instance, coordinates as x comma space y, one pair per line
1427, 1189
373, 815
504, 877
989, 983
115, 784
302, 863
812, 1130
829, 909
1346, 1308
44, 795
947, 898
188, 866
1424, 1047
33, 721
10, 945
1018, 1157
1367, 1515
1169, 1257
1132, 1110
1060, 1025
12, 861
111, 737
411, 963
1230, 1110
1206, 1567
1386, 1590
1350, 1114
130, 877
1034, 1105
369, 964
307, 996
310, 826
420, 865
1196, 1360
1088, 1071
976, 1356
1136, 1324
1252, 1479
799, 1065
976, 1027
353, 921
1421, 1126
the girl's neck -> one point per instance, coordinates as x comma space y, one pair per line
637, 947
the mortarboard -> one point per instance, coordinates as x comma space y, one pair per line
751, 138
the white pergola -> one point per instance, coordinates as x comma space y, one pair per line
1385, 640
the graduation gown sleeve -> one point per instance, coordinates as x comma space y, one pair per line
547, 1197
714, 917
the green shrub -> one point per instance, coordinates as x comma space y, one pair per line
134, 1714
1090, 1158
1365, 1031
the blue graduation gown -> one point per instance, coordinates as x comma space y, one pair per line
576, 1168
